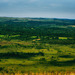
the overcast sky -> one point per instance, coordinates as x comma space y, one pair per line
38, 8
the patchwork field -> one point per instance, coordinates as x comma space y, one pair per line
35, 56
35, 45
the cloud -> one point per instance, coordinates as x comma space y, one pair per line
7, 1
55, 5
33, 0
16, 1
4, 0
38, 6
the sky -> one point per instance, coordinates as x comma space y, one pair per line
38, 8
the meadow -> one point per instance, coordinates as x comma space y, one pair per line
29, 47
35, 56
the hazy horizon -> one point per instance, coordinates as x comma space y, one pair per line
36, 17
36, 8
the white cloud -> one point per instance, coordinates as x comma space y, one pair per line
55, 5
7, 1
32, 1
10, 1
4, 0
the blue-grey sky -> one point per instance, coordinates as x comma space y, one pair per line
38, 8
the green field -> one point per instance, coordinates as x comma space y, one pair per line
35, 56
34, 45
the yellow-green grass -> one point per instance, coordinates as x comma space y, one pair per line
56, 57
62, 37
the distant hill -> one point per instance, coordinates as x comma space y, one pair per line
37, 26
2, 19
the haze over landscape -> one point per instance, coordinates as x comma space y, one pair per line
38, 8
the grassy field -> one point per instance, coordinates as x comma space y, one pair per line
35, 55
41, 73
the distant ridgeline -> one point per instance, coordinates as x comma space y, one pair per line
40, 27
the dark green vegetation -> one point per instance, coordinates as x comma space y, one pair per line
37, 44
